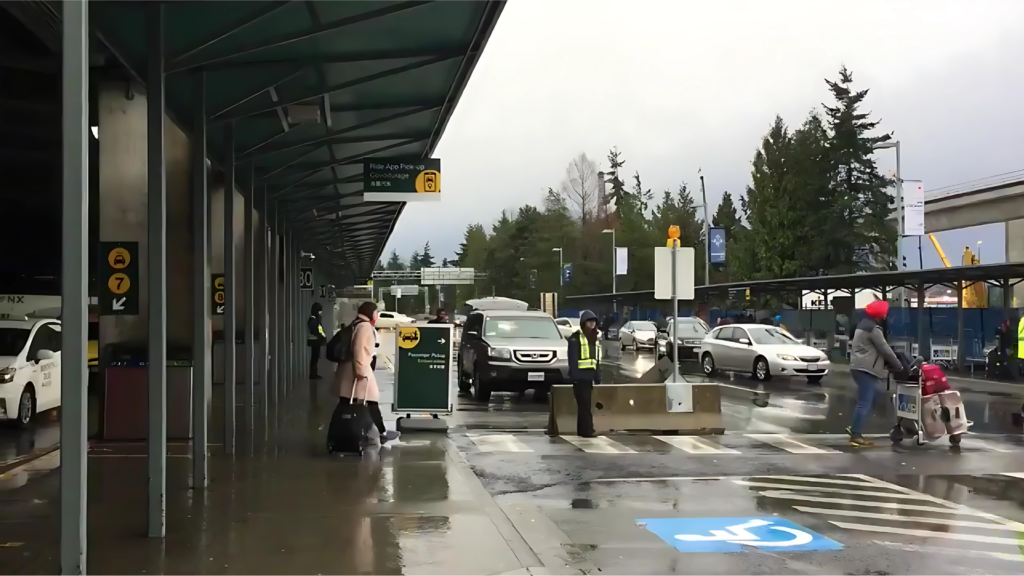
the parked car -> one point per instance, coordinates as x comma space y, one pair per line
392, 319
511, 351
639, 334
29, 368
691, 332
764, 351
567, 326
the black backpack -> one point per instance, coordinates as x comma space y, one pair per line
339, 349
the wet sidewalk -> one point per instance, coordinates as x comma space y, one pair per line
281, 505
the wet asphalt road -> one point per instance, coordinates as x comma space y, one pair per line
615, 504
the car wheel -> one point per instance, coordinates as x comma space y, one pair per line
761, 370
707, 362
622, 346
480, 391
26, 406
636, 347
814, 379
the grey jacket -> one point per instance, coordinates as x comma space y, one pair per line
869, 351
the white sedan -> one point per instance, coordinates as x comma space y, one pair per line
29, 368
761, 350
391, 320
639, 334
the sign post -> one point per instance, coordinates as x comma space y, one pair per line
673, 279
423, 369
218, 294
120, 282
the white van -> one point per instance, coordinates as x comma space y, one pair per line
29, 368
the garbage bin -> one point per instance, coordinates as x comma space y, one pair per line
125, 410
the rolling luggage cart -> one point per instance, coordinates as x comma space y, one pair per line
910, 404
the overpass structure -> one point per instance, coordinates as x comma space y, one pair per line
225, 138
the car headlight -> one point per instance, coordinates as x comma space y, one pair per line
7, 375
691, 342
501, 353
787, 357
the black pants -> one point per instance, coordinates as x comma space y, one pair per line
373, 408
584, 418
314, 359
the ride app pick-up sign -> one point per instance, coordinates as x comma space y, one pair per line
423, 369
119, 279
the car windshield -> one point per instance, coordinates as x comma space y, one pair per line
12, 341
521, 328
644, 327
692, 326
770, 336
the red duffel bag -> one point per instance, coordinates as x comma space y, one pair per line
933, 380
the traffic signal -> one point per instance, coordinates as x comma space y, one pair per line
533, 279
566, 273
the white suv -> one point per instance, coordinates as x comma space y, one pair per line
29, 368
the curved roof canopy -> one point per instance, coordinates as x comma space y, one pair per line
312, 88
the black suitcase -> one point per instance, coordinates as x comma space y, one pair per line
349, 424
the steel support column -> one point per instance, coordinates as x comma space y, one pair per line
275, 317
262, 286
74, 290
249, 205
923, 348
157, 266
960, 344
200, 293
230, 289
285, 313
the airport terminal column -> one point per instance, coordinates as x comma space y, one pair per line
249, 205
262, 230
74, 290
157, 253
961, 346
275, 309
200, 292
230, 288
285, 312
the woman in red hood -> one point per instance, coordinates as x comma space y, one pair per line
871, 358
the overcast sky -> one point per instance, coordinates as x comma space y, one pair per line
685, 85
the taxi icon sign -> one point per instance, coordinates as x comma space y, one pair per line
119, 258
408, 337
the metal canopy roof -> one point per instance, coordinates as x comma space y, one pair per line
313, 88
844, 282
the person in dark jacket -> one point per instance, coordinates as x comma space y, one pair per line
871, 359
585, 370
441, 318
316, 338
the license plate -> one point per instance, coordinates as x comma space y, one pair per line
535, 376
812, 366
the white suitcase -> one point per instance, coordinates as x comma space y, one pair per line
955, 416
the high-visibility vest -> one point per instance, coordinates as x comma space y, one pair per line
1020, 338
587, 362
319, 327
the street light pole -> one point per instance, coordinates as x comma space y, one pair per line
707, 241
561, 267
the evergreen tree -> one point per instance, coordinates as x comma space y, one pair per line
415, 261
726, 216
395, 263
618, 188
858, 188
426, 258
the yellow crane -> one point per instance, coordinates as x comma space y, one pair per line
976, 294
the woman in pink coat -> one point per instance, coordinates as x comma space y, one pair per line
356, 377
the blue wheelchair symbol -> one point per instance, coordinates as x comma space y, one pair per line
734, 534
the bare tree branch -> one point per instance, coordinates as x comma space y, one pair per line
580, 188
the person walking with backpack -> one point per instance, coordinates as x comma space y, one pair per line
355, 373
585, 370
316, 338
871, 359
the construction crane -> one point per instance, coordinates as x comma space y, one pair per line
975, 294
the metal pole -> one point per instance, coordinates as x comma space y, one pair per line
230, 289
960, 348
157, 265
200, 293
900, 225
282, 322
75, 288
615, 262
264, 321
249, 205
272, 272
674, 333
707, 251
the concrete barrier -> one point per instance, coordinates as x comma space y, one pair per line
638, 408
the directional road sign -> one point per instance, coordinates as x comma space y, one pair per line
119, 286
736, 534
219, 294
306, 279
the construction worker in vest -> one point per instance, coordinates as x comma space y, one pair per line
1020, 348
585, 370
315, 339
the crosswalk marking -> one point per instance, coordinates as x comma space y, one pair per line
1015, 557
821, 480
499, 443
832, 490
789, 445
901, 518
695, 445
599, 445
786, 495
927, 533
